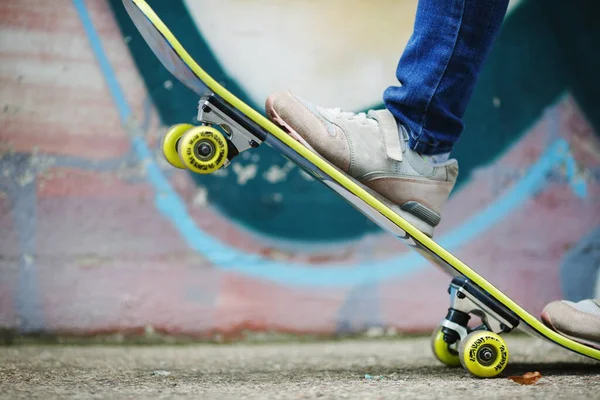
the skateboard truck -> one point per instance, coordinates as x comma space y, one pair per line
467, 299
243, 134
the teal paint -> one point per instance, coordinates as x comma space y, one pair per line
521, 74
524, 71
576, 32
224, 257
330, 218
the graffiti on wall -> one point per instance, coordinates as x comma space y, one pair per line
102, 236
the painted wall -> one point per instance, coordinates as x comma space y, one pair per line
99, 235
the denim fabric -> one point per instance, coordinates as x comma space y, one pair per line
439, 68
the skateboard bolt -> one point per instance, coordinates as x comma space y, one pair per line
206, 108
486, 355
204, 149
253, 144
460, 295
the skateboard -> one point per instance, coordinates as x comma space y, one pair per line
229, 127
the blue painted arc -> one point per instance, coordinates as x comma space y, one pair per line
227, 258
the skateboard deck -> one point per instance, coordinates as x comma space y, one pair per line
481, 350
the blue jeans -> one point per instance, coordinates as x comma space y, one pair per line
439, 69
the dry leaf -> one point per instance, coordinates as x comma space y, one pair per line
527, 379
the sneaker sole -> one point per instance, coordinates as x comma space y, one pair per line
548, 322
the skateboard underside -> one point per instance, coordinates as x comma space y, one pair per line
245, 129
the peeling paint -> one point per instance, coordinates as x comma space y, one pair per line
222, 173
277, 197
276, 174
201, 197
244, 174
25, 178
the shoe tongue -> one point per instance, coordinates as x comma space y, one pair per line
389, 129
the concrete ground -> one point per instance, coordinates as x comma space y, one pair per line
402, 368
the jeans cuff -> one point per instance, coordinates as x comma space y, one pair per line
424, 146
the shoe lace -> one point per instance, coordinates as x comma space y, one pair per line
360, 117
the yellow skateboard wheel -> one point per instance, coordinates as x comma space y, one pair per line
484, 354
170, 142
203, 149
442, 351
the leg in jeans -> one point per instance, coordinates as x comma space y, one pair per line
389, 150
439, 69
